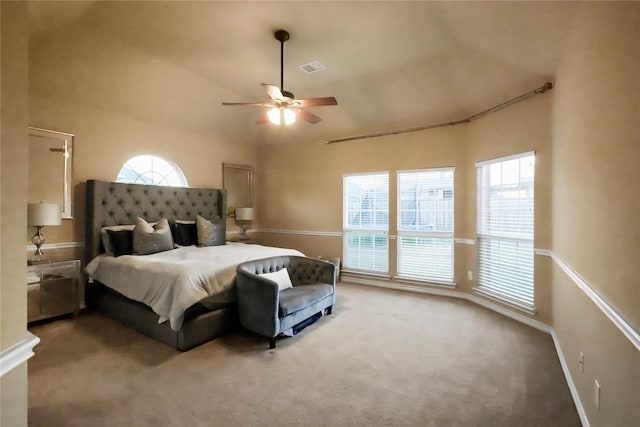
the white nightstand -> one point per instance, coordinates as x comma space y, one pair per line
53, 289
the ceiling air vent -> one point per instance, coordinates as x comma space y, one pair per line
312, 67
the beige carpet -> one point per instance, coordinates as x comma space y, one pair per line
383, 358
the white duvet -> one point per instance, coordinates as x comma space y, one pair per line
172, 281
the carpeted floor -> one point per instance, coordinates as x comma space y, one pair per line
383, 358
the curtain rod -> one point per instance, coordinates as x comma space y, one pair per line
542, 89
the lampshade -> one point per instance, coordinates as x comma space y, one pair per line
279, 115
43, 214
244, 214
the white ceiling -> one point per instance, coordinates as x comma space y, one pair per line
390, 64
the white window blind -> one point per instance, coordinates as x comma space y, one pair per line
505, 224
425, 224
366, 222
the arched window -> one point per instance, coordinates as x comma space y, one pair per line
149, 169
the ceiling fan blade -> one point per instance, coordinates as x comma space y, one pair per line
305, 115
316, 102
255, 104
272, 91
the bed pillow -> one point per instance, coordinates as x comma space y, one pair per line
281, 277
104, 236
121, 242
210, 233
185, 233
148, 239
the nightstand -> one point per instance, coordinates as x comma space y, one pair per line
53, 289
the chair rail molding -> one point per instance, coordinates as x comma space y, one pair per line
465, 241
61, 245
625, 326
339, 234
18, 353
301, 232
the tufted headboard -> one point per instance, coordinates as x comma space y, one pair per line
112, 203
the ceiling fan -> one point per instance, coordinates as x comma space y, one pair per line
283, 107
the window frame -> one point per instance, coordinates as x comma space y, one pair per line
349, 231
151, 174
512, 283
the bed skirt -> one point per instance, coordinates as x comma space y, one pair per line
200, 325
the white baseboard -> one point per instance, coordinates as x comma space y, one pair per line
572, 387
449, 292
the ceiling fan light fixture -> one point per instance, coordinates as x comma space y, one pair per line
274, 116
281, 115
283, 107
289, 116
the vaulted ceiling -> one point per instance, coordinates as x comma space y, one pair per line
390, 64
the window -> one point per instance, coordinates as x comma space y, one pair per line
505, 229
149, 169
366, 222
425, 225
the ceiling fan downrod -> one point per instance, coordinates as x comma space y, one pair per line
282, 36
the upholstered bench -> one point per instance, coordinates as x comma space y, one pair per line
266, 310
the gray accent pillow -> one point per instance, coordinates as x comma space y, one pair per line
210, 233
148, 239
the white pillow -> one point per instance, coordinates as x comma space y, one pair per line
281, 277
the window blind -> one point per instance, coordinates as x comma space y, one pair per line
425, 224
505, 224
366, 222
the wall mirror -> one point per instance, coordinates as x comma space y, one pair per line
238, 181
50, 173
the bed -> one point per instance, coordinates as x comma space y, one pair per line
117, 291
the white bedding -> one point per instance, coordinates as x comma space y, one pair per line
172, 281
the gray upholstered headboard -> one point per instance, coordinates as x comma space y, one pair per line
112, 203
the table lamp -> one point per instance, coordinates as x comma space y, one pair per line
244, 215
40, 215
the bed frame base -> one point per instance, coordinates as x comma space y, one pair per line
138, 316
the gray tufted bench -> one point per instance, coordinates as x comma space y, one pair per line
266, 311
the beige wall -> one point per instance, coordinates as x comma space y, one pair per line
119, 102
13, 210
596, 209
301, 185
